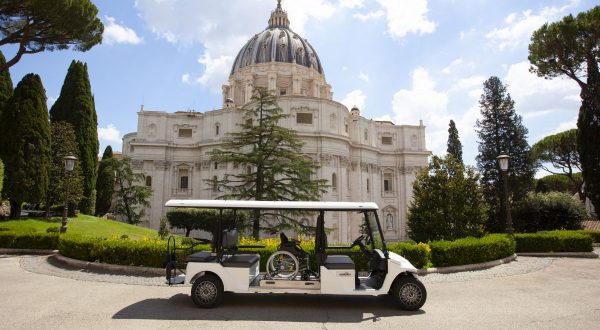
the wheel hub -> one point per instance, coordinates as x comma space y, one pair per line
410, 294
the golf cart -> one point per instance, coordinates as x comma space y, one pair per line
232, 267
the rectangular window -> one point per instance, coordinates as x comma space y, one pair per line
282, 92
387, 182
185, 132
386, 140
183, 179
217, 130
304, 118
386, 185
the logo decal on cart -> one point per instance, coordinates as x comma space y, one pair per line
344, 274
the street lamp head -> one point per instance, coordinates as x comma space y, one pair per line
69, 162
503, 161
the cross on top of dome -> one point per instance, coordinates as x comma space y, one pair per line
279, 17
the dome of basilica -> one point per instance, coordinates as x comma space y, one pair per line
277, 43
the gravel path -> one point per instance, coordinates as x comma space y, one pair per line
522, 265
41, 265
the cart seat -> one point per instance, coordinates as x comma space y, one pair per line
339, 262
241, 260
202, 256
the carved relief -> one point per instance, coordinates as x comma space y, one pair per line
326, 159
162, 165
413, 140
137, 164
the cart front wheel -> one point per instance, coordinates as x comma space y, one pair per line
409, 292
207, 291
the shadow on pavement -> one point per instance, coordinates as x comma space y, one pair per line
265, 307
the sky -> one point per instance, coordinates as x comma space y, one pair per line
398, 60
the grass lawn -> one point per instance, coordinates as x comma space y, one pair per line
83, 225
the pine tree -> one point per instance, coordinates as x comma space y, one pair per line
454, 145
500, 131
64, 143
75, 105
569, 48
270, 159
132, 195
25, 146
105, 183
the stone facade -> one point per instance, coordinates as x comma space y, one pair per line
363, 160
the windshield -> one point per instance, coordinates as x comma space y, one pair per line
373, 226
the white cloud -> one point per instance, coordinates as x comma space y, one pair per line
364, 77
369, 16
567, 125
119, 34
185, 78
109, 134
424, 102
407, 16
533, 94
467, 83
520, 27
450, 67
222, 27
384, 118
351, 3
355, 98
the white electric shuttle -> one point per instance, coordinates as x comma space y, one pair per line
235, 268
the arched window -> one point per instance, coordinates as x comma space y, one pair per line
216, 165
334, 182
387, 182
148, 181
183, 178
217, 129
368, 188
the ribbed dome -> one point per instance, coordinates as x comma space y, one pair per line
277, 43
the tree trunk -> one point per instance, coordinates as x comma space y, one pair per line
15, 210
256, 225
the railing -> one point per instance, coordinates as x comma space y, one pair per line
181, 192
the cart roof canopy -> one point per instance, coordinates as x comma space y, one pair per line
271, 205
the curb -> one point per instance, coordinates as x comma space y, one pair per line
466, 268
591, 255
105, 268
27, 251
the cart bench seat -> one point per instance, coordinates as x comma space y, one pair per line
241, 260
339, 262
202, 256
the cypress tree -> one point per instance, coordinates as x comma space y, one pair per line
105, 183
500, 131
75, 105
454, 145
6, 85
25, 146
64, 143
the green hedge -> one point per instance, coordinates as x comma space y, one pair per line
554, 241
595, 234
30, 240
144, 252
471, 250
418, 254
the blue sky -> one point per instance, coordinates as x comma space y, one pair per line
401, 60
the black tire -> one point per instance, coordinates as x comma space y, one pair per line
409, 292
207, 291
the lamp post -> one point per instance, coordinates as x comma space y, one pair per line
69, 165
503, 162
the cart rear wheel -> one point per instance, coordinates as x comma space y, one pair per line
207, 291
409, 292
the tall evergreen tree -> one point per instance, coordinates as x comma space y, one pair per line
75, 105
454, 145
25, 146
6, 85
270, 158
132, 194
501, 131
571, 47
105, 184
64, 143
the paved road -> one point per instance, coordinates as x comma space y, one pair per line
563, 294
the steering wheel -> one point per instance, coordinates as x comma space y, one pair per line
359, 241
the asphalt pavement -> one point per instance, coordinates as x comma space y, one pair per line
556, 293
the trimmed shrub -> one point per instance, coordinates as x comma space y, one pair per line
555, 241
418, 254
548, 211
143, 252
30, 240
595, 234
471, 250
